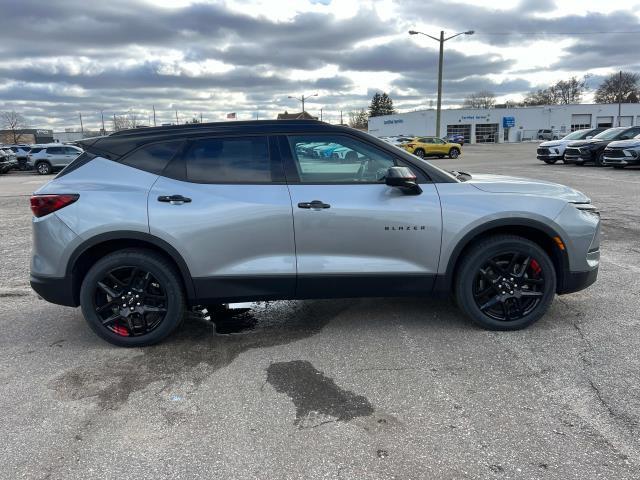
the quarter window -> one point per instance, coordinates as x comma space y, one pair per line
229, 160
152, 158
338, 159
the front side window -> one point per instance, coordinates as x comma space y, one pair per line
338, 159
229, 160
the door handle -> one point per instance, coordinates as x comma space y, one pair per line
174, 199
315, 204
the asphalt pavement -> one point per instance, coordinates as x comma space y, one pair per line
346, 389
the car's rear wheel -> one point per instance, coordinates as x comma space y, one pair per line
505, 283
419, 153
132, 298
454, 153
43, 168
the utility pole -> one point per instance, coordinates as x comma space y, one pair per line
257, 114
340, 117
441, 41
154, 114
102, 118
303, 98
620, 98
320, 114
200, 117
177, 121
81, 127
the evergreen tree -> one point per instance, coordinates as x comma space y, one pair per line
381, 104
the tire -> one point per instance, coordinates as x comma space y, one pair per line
454, 153
550, 162
600, 160
580, 163
469, 280
419, 152
43, 168
163, 291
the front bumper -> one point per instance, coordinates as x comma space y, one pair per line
58, 290
549, 157
583, 157
576, 281
613, 161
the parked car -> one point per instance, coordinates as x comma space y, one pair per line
11, 161
49, 158
548, 134
455, 138
622, 153
6, 163
147, 223
551, 152
592, 150
398, 140
22, 155
433, 146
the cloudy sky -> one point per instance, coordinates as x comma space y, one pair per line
58, 58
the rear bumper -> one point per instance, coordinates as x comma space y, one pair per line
54, 289
576, 281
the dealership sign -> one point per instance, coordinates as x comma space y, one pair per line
508, 122
393, 121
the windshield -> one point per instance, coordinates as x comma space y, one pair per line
577, 135
608, 134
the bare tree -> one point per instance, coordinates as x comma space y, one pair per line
126, 121
623, 87
359, 119
481, 99
563, 92
14, 122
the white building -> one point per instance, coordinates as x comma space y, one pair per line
506, 124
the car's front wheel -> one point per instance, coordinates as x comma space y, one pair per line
505, 283
454, 153
549, 161
132, 298
600, 160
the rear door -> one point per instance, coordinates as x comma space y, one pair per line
355, 236
224, 205
56, 156
70, 154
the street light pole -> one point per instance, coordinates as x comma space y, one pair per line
302, 99
441, 41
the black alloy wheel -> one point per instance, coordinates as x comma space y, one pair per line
505, 282
130, 301
509, 286
419, 152
133, 298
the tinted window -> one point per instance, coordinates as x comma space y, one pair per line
229, 160
338, 159
152, 158
72, 151
35, 149
55, 150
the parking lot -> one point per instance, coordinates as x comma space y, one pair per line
366, 388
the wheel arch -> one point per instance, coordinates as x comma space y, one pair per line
533, 230
90, 251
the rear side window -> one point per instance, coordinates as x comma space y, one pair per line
55, 150
229, 160
35, 149
152, 158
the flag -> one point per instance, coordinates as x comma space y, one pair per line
231, 116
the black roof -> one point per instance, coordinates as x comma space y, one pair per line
118, 144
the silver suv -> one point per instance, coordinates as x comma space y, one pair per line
147, 223
48, 158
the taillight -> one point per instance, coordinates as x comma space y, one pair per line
411, 145
42, 205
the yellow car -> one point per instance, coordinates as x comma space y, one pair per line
432, 146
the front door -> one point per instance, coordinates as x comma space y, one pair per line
224, 205
354, 235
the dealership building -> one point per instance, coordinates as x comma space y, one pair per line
501, 125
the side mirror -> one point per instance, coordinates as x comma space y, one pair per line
404, 179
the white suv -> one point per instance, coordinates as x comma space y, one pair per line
48, 158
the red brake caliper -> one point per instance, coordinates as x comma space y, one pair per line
535, 266
120, 329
